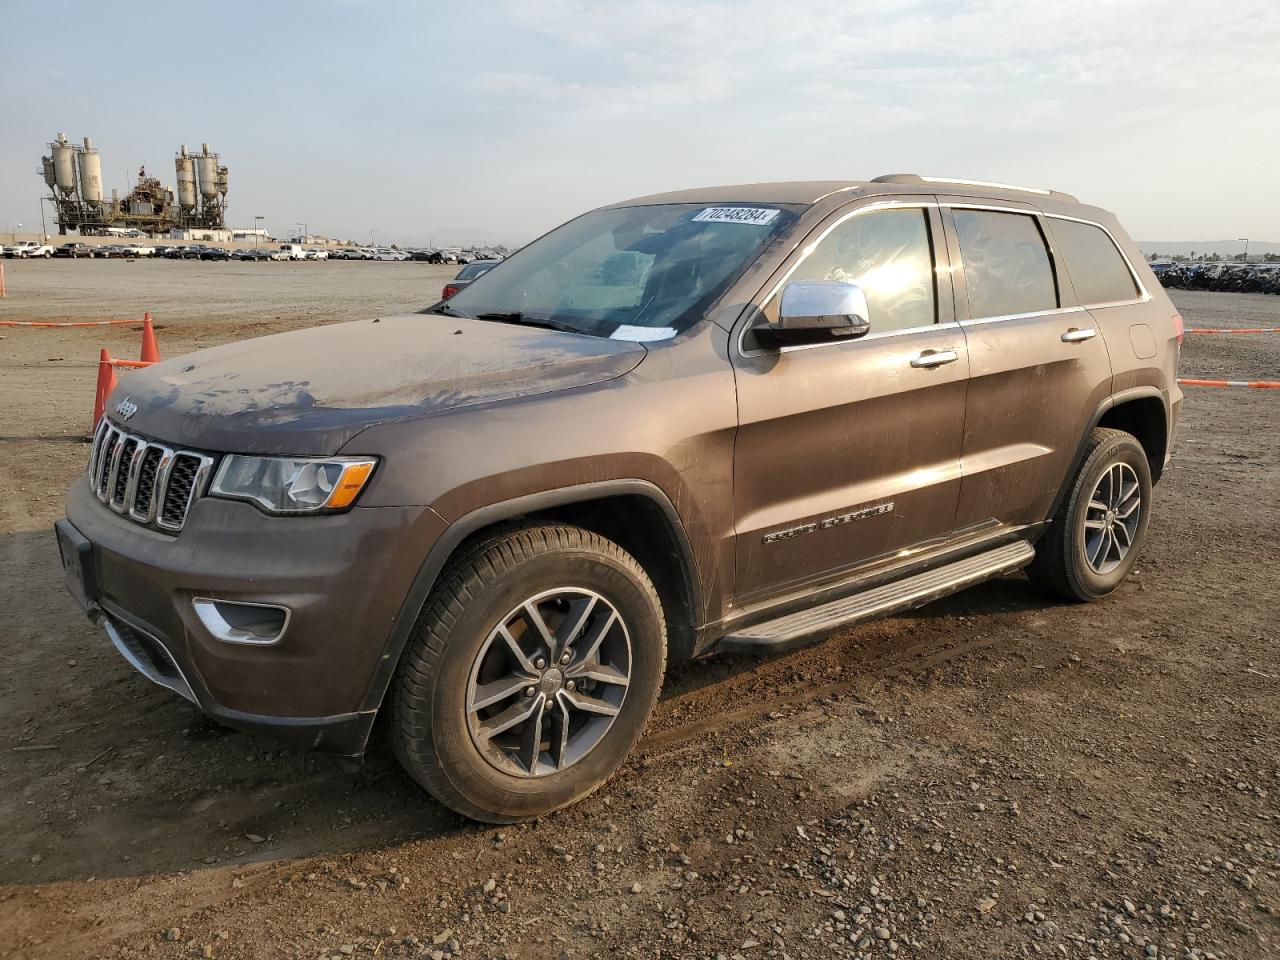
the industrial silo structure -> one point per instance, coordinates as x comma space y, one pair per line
73, 175
207, 169
186, 171
90, 163
64, 165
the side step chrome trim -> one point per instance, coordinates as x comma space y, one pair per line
798, 629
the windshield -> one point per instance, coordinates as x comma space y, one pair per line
633, 273
473, 270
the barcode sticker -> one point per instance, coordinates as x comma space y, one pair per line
756, 216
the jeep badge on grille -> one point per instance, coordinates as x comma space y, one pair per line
126, 408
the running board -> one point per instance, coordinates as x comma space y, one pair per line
798, 629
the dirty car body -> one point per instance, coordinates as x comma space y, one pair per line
772, 478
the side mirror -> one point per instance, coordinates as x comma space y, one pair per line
814, 311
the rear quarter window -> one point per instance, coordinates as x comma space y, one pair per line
1098, 270
1006, 263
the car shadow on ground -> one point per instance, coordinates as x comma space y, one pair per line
106, 775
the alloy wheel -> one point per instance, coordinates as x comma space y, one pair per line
549, 682
1111, 518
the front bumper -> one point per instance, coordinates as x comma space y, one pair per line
343, 578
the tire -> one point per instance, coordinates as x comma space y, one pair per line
1079, 563
437, 734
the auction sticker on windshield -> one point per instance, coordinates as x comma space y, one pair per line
756, 216
642, 334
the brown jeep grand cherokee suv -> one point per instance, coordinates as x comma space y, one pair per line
730, 418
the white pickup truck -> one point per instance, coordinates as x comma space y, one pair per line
28, 248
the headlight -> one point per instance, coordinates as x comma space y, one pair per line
289, 485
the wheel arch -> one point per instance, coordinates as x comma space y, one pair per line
1140, 412
656, 537
1144, 416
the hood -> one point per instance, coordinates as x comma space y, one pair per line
310, 391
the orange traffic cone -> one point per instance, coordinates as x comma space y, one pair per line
106, 383
150, 350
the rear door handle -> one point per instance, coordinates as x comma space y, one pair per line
1076, 335
935, 358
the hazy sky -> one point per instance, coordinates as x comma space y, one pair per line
417, 118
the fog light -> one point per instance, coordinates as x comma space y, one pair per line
234, 621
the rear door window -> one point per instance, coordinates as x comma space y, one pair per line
888, 254
1098, 271
1006, 263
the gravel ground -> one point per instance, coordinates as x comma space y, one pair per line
995, 775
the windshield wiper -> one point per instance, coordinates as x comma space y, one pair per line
445, 310
520, 319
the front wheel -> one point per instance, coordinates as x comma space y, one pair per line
530, 674
1096, 535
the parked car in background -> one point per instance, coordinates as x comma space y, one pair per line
315, 253
138, 250
190, 252
162, 249
111, 250
293, 251
254, 253
426, 256
215, 253
465, 276
389, 256
75, 250
28, 248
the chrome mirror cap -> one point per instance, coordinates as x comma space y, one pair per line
836, 306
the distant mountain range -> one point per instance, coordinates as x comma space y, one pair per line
1224, 248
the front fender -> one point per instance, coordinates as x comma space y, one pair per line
488, 516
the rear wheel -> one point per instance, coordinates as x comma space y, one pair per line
1094, 539
530, 674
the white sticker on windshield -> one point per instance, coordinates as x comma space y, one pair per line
643, 334
756, 216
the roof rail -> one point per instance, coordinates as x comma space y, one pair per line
916, 178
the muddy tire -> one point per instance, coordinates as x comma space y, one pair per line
530, 673
1096, 535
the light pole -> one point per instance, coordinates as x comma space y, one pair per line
257, 229
372, 231
1245, 241
13, 236
44, 230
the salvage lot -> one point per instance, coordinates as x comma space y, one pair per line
992, 775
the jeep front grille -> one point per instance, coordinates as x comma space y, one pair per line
148, 482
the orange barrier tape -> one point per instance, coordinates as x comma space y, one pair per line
1234, 330
131, 364
1259, 384
77, 323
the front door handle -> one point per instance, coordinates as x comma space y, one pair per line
935, 358
1076, 335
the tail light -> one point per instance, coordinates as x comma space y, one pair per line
1179, 328
450, 290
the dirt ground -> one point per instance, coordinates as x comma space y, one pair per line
995, 775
